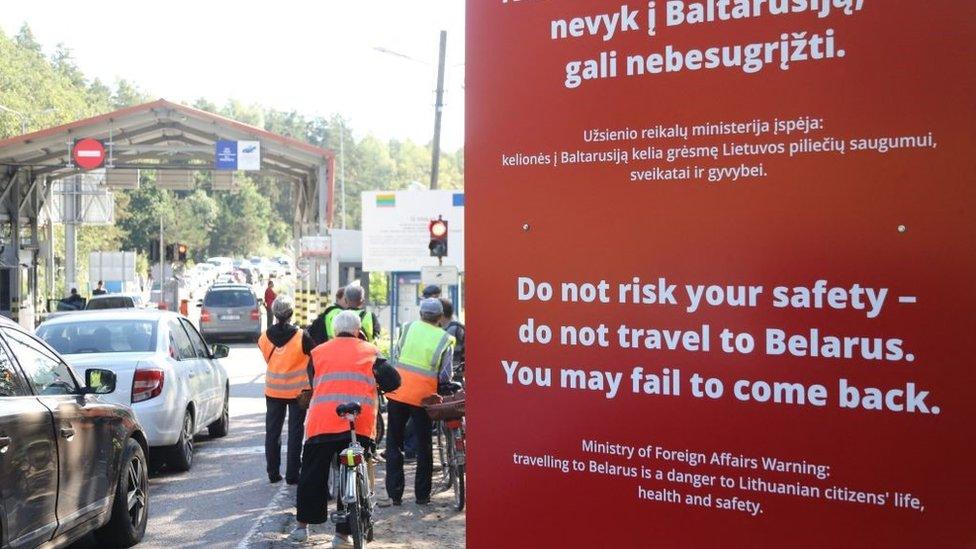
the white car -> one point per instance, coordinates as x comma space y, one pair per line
164, 369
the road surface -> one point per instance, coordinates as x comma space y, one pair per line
226, 501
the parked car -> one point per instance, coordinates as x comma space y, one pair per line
165, 370
115, 301
71, 462
230, 311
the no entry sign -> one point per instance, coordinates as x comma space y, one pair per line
88, 153
720, 273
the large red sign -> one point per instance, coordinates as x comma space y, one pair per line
88, 153
721, 287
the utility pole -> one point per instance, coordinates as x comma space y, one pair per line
438, 110
162, 258
342, 169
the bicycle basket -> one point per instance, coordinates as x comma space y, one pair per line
450, 407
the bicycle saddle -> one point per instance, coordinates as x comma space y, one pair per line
348, 408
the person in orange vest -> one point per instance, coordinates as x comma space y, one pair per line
286, 349
425, 358
344, 369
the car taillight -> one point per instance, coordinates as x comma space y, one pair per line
147, 384
204, 316
256, 314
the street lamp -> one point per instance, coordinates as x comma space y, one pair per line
24, 116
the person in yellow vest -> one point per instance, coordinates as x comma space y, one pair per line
344, 369
354, 297
286, 349
425, 359
321, 328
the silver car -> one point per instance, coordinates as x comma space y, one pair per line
230, 311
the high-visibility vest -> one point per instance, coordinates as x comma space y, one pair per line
366, 320
330, 315
343, 373
287, 373
422, 347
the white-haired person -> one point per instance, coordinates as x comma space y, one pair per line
344, 369
286, 349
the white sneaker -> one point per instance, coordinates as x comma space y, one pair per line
299, 535
341, 541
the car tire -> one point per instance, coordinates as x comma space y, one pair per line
221, 427
130, 507
181, 454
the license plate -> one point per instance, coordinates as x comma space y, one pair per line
230, 317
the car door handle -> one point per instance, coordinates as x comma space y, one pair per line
4, 444
67, 433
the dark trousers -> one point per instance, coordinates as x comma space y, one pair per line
274, 420
313, 484
397, 414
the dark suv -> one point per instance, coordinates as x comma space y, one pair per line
70, 463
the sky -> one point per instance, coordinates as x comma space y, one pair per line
315, 57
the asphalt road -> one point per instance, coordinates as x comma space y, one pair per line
221, 500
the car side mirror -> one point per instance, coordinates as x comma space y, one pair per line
200, 303
221, 351
99, 382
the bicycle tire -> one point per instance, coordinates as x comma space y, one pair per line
355, 526
459, 488
451, 473
442, 451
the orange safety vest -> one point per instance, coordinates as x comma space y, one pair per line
287, 374
343, 373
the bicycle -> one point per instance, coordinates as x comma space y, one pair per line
450, 416
352, 486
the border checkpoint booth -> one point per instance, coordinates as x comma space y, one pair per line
172, 139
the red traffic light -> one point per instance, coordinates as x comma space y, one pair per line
438, 237
438, 228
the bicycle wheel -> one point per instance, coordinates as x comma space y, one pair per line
449, 443
442, 451
355, 526
459, 487
366, 507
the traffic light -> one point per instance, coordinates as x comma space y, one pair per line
181, 253
438, 237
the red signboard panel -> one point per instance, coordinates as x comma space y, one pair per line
721, 273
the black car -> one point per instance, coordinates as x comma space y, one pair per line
70, 463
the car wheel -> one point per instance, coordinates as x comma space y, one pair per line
130, 508
181, 455
219, 428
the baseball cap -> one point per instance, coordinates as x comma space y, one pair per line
432, 290
431, 306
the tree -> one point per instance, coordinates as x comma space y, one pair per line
242, 225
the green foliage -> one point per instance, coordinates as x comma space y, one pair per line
52, 90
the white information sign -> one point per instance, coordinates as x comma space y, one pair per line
249, 155
440, 276
396, 229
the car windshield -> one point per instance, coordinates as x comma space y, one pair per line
100, 336
119, 302
229, 298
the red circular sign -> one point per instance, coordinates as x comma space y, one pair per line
89, 153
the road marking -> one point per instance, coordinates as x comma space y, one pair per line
271, 508
907, 299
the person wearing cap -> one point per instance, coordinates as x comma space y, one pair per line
286, 349
425, 358
432, 291
321, 328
